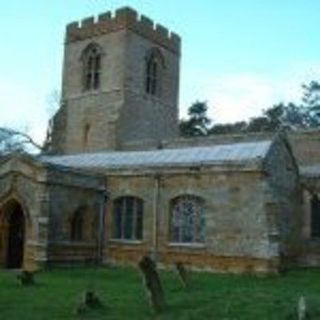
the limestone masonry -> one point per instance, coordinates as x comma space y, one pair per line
119, 183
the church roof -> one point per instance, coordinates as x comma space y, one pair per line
224, 154
310, 171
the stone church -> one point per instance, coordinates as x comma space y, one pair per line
120, 183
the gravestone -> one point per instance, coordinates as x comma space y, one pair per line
183, 274
152, 283
89, 300
26, 278
302, 309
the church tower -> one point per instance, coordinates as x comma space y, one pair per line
120, 84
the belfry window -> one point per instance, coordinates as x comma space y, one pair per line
92, 68
128, 218
187, 222
154, 72
315, 217
152, 77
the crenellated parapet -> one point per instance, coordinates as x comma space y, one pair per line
124, 18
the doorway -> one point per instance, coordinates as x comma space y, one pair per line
15, 235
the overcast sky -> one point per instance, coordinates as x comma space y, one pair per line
239, 55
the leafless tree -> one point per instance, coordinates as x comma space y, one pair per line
15, 140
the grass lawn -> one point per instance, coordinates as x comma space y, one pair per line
211, 296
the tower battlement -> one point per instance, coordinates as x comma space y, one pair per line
124, 18
120, 83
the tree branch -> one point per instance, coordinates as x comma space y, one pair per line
8, 135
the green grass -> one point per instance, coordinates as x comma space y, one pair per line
211, 296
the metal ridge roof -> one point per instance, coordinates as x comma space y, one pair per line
224, 154
312, 171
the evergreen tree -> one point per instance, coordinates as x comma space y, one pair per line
198, 123
311, 103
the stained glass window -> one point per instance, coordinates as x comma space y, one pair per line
128, 218
187, 220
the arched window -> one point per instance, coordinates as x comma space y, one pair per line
92, 67
76, 225
128, 218
315, 217
187, 220
154, 71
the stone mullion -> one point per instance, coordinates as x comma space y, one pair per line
195, 217
92, 75
181, 223
124, 217
134, 219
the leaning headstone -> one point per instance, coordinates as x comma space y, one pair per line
152, 283
302, 309
182, 273
89, 301
26, 278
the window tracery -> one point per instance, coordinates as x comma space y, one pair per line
92, 67
154, 72
187, 220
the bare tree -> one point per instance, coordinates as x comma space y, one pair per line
54, 102
14, 140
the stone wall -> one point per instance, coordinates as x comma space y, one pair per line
50, 197
144, 116
310, 255
71, 193
236, 225
119, 111
283, 200
124, 18
21, 181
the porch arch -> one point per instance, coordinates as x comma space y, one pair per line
12, 234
